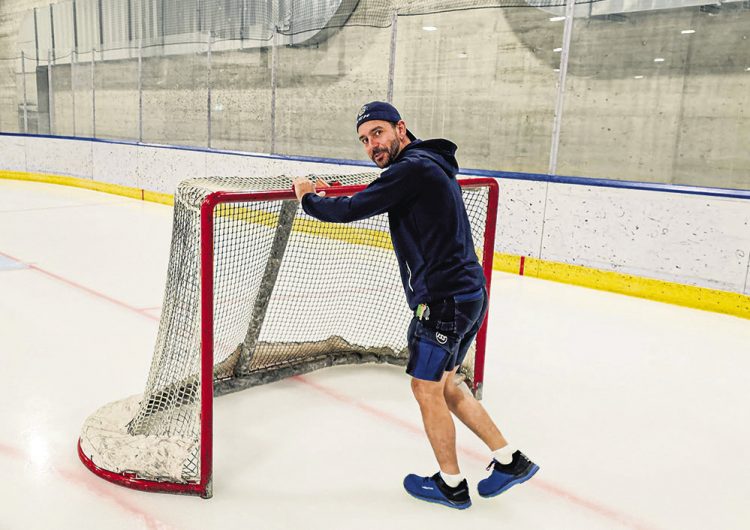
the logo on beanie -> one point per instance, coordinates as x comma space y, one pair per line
362, 112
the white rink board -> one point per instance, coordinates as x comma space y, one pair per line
242, 165
118, 161
690, 239
161, 169
13, 153
59, 157
520, 217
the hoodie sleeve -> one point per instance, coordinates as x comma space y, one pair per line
396, 184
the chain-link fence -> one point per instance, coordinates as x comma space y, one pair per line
656, 91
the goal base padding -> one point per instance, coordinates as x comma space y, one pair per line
163, 462
132, 481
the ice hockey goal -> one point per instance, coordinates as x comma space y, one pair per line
257, 291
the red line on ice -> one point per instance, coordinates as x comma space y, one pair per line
81, 287
545, 486
97, 486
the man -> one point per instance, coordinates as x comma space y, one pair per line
444, 286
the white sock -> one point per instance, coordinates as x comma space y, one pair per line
452, 480
504, 455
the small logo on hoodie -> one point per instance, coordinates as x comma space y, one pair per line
442, 339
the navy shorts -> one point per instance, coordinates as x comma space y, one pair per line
439, 344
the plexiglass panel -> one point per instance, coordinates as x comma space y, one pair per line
116, 87
175, 97
660, 96
655, 91
322, 86
81, 84
10, 80
241, 99
485, 79
63, 103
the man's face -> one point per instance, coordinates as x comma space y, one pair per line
382, 140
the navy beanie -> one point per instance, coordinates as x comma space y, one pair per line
380, 110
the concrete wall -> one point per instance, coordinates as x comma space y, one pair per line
690, 239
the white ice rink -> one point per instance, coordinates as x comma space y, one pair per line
636, 411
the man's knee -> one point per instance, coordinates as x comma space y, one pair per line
454, 394
425, 391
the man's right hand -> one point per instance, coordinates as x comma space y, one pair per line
303, 186
320, 183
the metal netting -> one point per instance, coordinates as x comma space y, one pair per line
291, 294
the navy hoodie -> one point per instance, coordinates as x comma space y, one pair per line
429, 226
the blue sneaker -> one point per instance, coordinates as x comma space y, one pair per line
434, 489
505, 476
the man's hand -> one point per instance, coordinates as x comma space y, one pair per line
320, 183
303, 186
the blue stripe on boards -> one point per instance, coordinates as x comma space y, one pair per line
533, 177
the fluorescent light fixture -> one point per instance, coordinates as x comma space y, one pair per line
463, 55
557, 50
747, 69
687, 31
429, 28
659, 60
556, 19
637, 77
556, 70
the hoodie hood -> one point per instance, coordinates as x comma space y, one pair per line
441, 151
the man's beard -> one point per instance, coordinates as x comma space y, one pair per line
390, 154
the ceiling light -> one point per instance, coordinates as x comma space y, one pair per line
557, 50
637, 77
659, 60
556, 19
463, 55
687, 31
429, 28
747, 69
556, 70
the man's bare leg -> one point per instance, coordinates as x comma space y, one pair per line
471, 413
448, 487
438, 422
